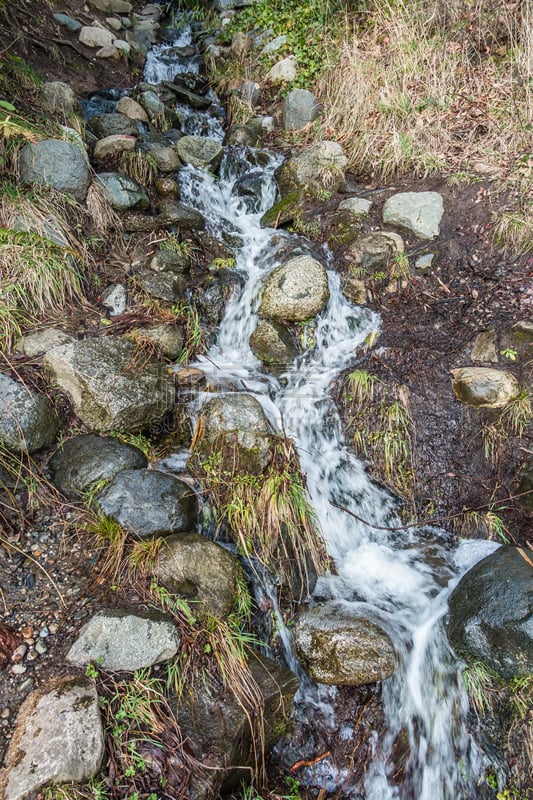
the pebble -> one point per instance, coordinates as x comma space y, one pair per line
41, 647
5, 713
32, 655
53, 628
18, 669
81, 614
44, 632
27, 632
26, 685
19, 653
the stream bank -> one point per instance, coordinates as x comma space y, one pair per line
374, 355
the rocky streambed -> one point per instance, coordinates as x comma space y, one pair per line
159, 690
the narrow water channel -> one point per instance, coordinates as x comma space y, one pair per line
401, 578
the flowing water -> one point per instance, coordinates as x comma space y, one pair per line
401, 578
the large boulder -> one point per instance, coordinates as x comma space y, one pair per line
58, 738
110, 388
121, 641
219, 729
53, 162
96, 36
295, 291
300, 107
235, 420
113, 145
122, 192
202, 572
27, 419
113, 125
149, 503
420, 212
484, 387
200, 151
491, 613
85, 460
272, 344
320, 166
340, 648
131, 108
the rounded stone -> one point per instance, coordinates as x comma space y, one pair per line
295, 291
56, 163
28, 421
420, 212
300, 107
272, 344
85, 460
113, 145
337, 647
200, 151
484, 387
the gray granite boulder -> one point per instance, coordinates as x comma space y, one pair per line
28, 421
490, 615
336, 646
95, 36
167, 286
59, 98
295, 291
235, 420
320, 166
131, 108
358, 206
109, 386
149, 503
119, 640
85, 460
484, 387
113, 125
122, 192
53, 162
164, 156
37, 343
200, 151
420, 212
113, 145
283, 71
202, 572
300, 107
58, 738
166, 338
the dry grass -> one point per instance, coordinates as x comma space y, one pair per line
428, 87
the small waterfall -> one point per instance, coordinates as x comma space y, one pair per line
400, 577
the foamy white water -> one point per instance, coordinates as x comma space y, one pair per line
400, 578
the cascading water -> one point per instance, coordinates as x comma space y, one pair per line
400, 577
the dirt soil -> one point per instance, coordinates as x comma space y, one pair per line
49, 584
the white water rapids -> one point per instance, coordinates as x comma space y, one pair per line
401, 578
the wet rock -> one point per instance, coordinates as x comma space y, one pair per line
108, 387
358, 206
295, 291
484, 347
168, 339
187, 97
484, 387
167, 187
375, 249
300, 107
320, 166
58, 98
272, 344
235, 420
58, 738
200, 571
157, 111
53, 162
525, 487
283, 71
182, 216
113, 145
420, 212
85, 460
67, 22
338, 647
37, 343
200, 151
215, 294
120, 641
131, 108
28, 421
131, 221
93, 36
148, 503
219, 729
122, 192
170, 261
343, 227
113, 124
491, 613
355, 290
167, 286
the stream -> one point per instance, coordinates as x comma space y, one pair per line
400, 578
